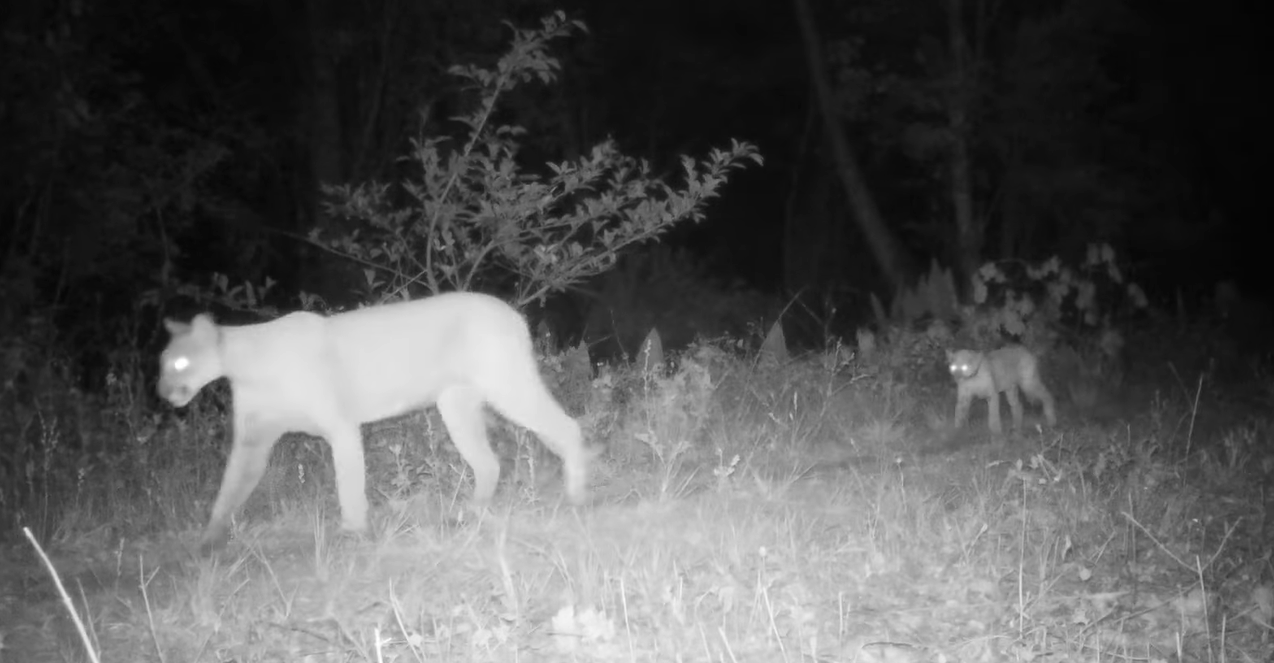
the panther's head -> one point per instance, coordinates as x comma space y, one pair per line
191, 360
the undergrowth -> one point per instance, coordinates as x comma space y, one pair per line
742, 510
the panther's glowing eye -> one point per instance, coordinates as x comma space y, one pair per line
181, 363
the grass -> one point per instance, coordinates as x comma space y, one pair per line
817, 511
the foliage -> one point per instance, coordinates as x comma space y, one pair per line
72, 459
915, 331
661, 414
1034, 302
1030, 87
473, 219
736, 454
1057, 128
1046, 306
669, 290
905, 356
1075, 313
933, 295
106, 185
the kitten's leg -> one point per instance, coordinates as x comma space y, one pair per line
1038, 392
963, 396
993, 411
1015, 406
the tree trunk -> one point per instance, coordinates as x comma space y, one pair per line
809, 237
324, 119
884, 246
969, 227
1014, 211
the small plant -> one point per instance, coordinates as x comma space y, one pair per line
933, 295
657, 417
673, 291
905, 355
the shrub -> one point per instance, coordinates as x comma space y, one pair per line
471, 218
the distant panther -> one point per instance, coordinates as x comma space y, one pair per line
327, 375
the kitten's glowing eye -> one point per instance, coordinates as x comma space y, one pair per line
181, 363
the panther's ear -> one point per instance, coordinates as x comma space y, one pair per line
203, 326
950, 355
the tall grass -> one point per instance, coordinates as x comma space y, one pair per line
817, 510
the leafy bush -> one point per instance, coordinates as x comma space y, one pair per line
1072, 312
1033, 303
472, 219
906, 355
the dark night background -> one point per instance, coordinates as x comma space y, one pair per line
152, 142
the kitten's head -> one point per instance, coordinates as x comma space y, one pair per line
963, 364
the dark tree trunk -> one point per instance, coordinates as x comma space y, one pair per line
969, 226
324, 120
884, 246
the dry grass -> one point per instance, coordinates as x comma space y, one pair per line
811, 512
